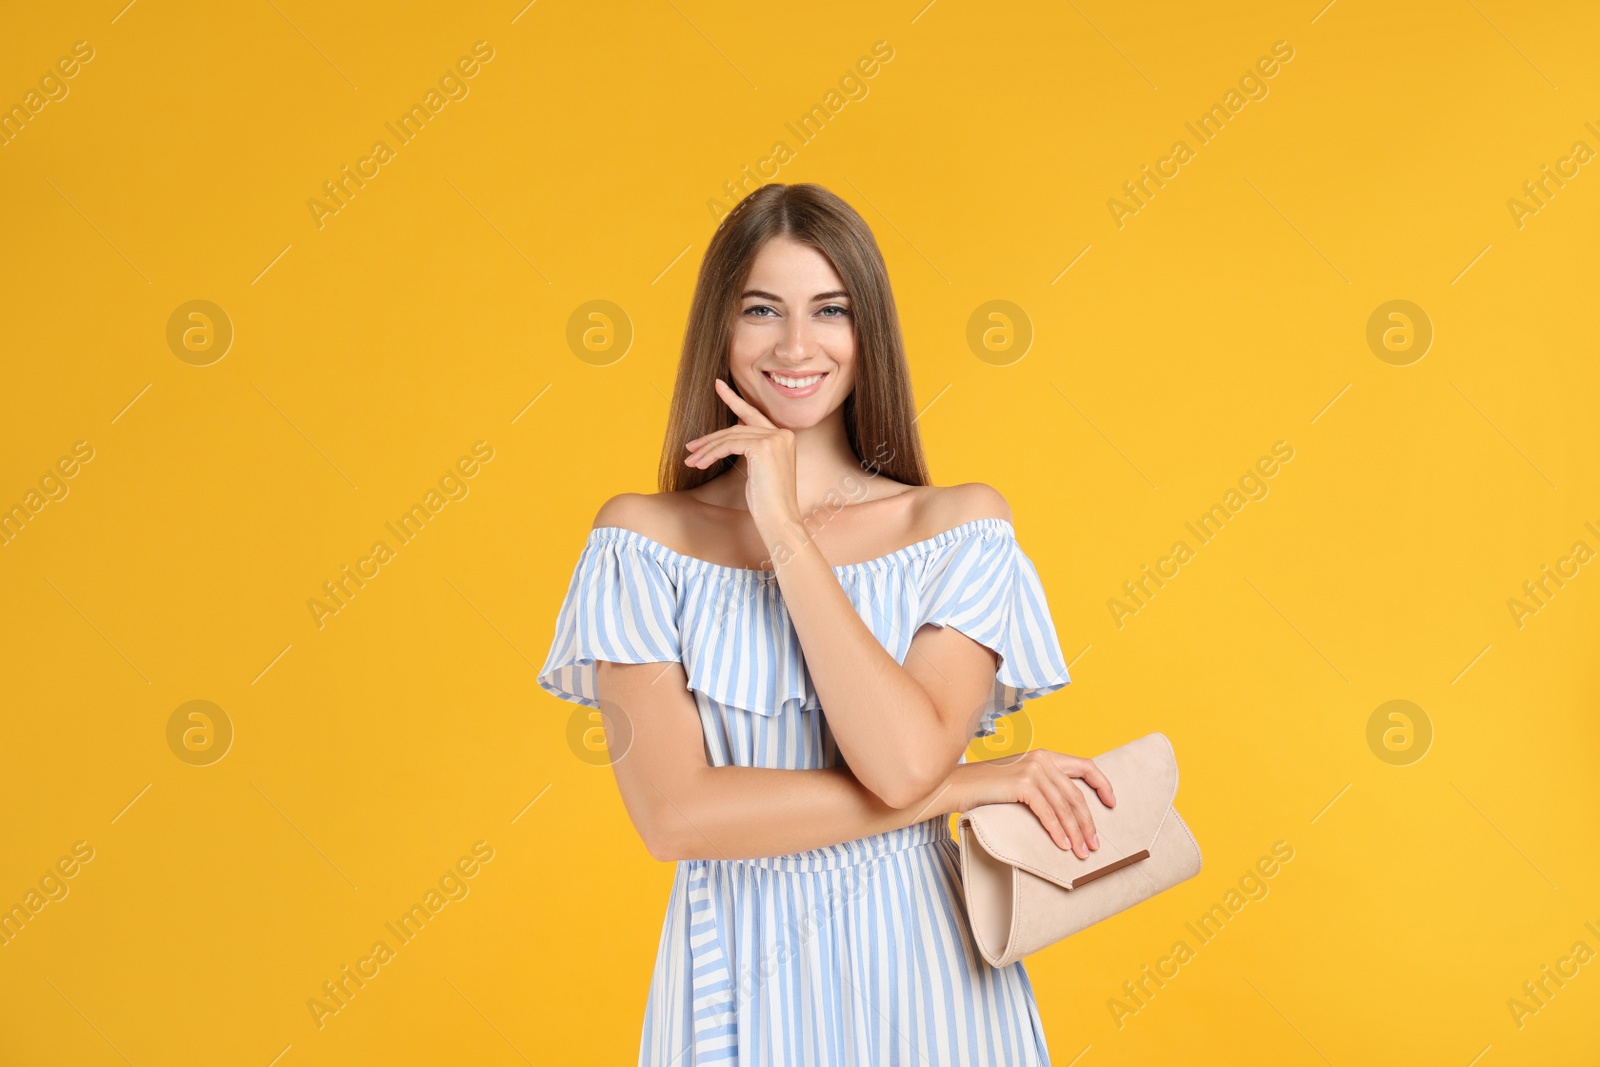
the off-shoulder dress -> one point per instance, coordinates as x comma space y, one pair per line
856, 954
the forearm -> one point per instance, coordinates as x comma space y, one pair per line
752, 812
868, 695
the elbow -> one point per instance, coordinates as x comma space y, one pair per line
669, 828
909, 788
918, 772
662, 840
898, 797
669, 838
919, 780
663, 849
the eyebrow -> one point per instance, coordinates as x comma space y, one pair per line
778, 299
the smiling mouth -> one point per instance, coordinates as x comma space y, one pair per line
795, 382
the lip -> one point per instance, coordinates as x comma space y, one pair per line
784, 390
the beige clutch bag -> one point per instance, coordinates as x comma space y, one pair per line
1023, 892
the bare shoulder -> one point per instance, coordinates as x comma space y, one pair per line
950, 506
655, 515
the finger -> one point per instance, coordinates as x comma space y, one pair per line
711, 442
715, 435
1067, 816
741, 407
1048, 818
696, 443
1082, 816
713, 452
1090, 772
706, 455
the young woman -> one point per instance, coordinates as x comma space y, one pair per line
791, 646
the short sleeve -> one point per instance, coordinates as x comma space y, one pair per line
985, 586
621, 607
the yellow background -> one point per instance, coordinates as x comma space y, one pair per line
431, 311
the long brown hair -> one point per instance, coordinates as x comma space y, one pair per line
879, 415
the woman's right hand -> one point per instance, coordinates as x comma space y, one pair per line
1040, 779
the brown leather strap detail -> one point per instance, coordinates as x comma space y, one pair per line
1142, 854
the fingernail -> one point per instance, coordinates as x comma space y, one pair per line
1095, 840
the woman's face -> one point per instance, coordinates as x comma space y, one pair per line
796, 322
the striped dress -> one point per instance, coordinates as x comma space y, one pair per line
853, 955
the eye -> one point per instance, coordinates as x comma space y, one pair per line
843, 311
759, 307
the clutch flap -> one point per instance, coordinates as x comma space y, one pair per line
1143, 774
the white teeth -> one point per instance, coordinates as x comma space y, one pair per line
794, 383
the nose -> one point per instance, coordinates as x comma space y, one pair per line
794, 342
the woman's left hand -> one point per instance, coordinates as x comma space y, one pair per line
769, 452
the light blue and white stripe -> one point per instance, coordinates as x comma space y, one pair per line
856, 954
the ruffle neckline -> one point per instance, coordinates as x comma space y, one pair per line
635, 600
694, 564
